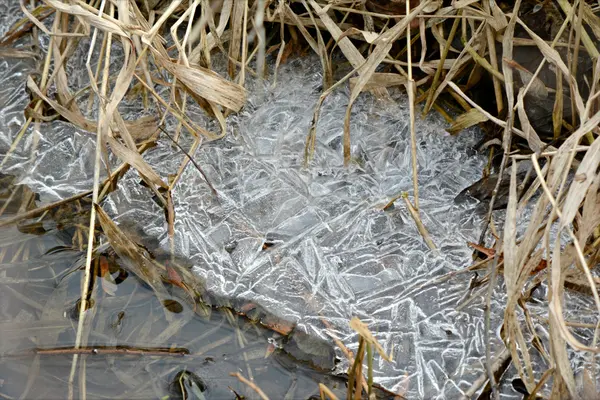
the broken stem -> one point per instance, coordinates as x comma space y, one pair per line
422, 230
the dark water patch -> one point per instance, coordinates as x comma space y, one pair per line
126, 354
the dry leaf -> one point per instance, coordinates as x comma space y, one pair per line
466, 120
136, 259
364, 331
135, 160
380, 80
208, 85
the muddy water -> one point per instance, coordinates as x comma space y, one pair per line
137, 346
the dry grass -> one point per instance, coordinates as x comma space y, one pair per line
439, 51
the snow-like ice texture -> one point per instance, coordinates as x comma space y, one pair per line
335, 252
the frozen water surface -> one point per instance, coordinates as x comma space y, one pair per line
331, 252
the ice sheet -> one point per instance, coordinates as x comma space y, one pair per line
334, 253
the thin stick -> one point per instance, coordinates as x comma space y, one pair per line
483, 378
325, 391
199, 168
251, 384
124, 350
410, 87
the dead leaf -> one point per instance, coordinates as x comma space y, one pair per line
466, 120
136, 259
363, 330
208, 85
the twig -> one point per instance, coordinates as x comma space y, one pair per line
251, 384
483, 378
199, 168
410, 87
125, 350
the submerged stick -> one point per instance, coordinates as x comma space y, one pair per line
125, 350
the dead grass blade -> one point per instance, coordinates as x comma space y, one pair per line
585, 175
420, 226
237, 21
364, 331
135, 257
381, 80
438, 72
553, 57
466, 120
533, 139
325, 393
383, 45
250, 384
134, 159
84, 14
461, 60
365, 39
350, 51
208, 85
